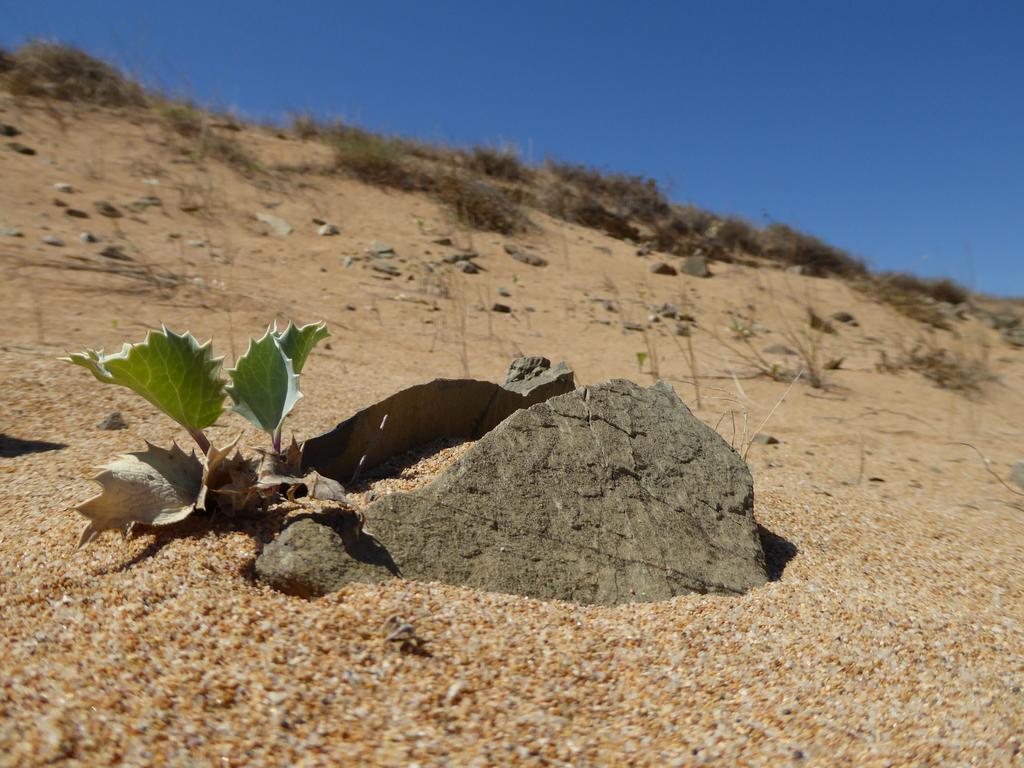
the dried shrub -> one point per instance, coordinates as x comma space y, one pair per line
374, 159
227, 150
940, 289
780, 242
481, 205
624, 195
945, 368
738, 234
183, 119
681, 229
577, 207
306, 126
6, 61
498, 163
57, 71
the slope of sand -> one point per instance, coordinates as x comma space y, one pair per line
892, 636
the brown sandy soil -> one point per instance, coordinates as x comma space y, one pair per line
893, 635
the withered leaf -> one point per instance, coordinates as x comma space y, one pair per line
154, 487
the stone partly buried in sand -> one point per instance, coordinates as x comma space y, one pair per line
609, 494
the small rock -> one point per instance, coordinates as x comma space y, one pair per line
645, 251
661, 268
115, 252
279, 225
609, 305
53, 240
695, 266
524, 258
75, 213
503, 308
451, 258
59, 203
21, 149
668, 311
819, 324
66, 189
328, 230
778, 349
195, 243
442, 241
380, 248
1013, 336
318, 221
114, 421
682, 329
504, 292
1018, 473
104, 208
385, 268
11, 232
350, 307
628, 326
844, 317
467, 267
762, 439
140, 205
603, 249
8, 130
88, 237
527, 374
151, 182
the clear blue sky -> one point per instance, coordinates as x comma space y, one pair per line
892, 129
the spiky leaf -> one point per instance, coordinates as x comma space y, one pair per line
174, 372
155, 487
263, 384
297, 342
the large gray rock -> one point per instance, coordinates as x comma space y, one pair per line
426, 412
609, 494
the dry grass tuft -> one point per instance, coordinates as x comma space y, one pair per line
498, 163
306, 126
946, 368
374, 159
782, 243
57, 71
481, 205
624, 195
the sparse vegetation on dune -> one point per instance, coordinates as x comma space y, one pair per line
57, 71
486, 186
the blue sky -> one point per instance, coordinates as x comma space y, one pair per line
892, 129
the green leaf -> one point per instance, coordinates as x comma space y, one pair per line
297, 343
263, 384
175, 373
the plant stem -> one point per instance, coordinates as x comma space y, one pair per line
275, 440
201, 440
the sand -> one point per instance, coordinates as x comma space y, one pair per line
893, 634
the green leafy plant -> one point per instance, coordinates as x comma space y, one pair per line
182, 378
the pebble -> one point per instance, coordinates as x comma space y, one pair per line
328, 230
11, 232
21, 149
66, 189
105, 208
88, 237
113, 421
53, 240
